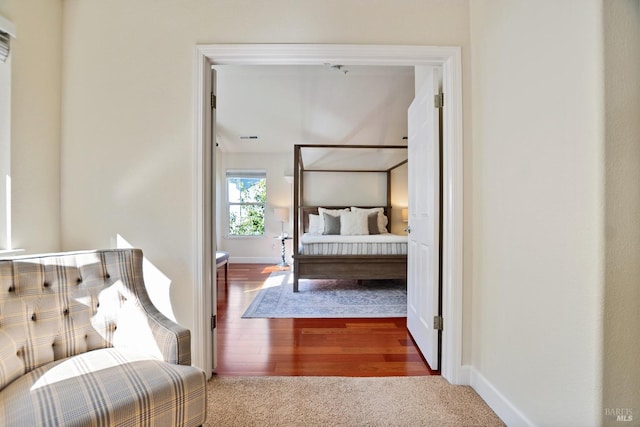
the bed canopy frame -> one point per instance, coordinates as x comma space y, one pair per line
381, 159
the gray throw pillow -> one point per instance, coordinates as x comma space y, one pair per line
331, 224
372, 220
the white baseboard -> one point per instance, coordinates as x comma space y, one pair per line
254, 260
497, 401
464, 375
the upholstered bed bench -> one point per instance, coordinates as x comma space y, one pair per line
222, 259
82, 344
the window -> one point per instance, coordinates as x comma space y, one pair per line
246, 197
7, 30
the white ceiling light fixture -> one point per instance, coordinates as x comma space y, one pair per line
340, 68
337, 67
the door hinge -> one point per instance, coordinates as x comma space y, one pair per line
214, 321
437, 323
438, 100
213, 100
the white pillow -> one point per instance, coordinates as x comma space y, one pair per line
316, 224
333, 212
354, 224
382, 218
383, 224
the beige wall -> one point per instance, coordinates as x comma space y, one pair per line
36, 61
621, 370
536, 264
537, 200
128, 160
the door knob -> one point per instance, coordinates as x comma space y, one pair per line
408, 229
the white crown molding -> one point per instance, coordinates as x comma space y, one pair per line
319, 54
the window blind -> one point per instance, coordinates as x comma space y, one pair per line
7, 30
5, 40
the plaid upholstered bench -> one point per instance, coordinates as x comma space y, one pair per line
82, 344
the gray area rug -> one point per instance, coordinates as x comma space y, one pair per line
328, 298
344, 401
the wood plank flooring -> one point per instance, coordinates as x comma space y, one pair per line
320, 347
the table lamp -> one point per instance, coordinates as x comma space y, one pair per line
282, 215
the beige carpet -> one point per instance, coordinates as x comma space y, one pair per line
343, 401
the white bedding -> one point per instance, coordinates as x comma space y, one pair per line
373, 244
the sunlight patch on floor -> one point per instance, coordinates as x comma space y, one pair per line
273, 281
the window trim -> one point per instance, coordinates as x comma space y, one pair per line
243, 173
6, 244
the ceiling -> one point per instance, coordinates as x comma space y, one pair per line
346, 158
269, 108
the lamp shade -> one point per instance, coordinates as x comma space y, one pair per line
281, 214
405, 215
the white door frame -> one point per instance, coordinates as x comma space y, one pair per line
449, 58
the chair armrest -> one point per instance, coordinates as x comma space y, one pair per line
141, 326
173, 340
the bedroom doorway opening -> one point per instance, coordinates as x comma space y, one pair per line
447, 58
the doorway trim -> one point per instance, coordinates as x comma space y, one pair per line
449, 58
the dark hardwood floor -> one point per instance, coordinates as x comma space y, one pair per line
320, 347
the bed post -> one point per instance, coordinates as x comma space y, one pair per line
389, 182
389, 210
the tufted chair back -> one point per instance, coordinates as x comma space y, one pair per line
59, 305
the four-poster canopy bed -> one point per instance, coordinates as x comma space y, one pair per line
342, 240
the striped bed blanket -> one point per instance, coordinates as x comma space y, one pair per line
376, 244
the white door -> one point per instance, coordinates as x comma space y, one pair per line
424, 195
212, 223
207, 344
